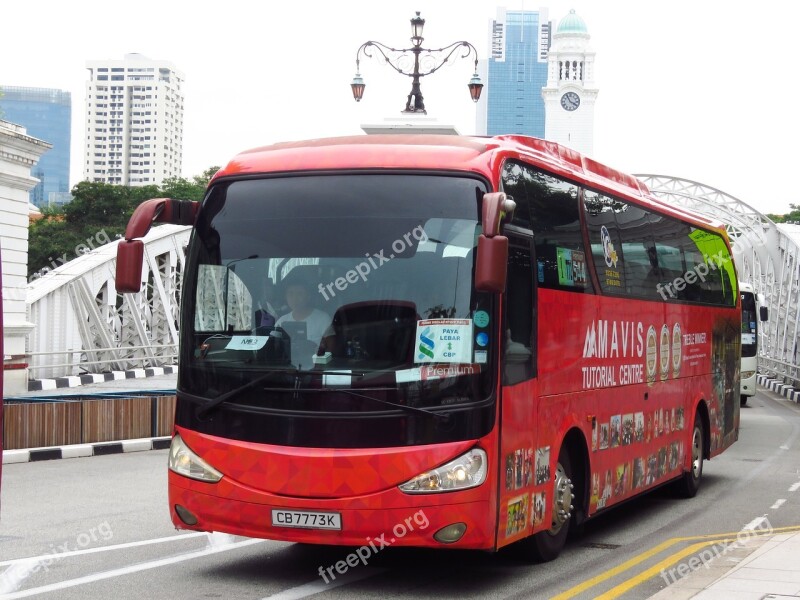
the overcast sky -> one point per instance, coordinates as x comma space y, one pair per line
703, 90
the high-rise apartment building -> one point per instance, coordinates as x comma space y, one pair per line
515, 74
46, 114
134, 121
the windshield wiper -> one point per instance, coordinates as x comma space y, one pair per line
444, 418
212, 403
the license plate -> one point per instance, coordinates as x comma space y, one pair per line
306, 519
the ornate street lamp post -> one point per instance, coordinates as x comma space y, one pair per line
432, 61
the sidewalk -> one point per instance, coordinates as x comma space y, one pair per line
767, 567
762, 567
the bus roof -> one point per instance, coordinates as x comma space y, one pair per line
479, 155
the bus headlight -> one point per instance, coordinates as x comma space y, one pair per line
747, 374
466, 471
185, 462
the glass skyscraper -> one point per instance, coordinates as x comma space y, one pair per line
517, 72
46, 114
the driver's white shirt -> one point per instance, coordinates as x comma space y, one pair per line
317, 323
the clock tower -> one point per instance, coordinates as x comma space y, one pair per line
570, 93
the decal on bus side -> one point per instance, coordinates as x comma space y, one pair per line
517, 515
663, 354
525, 467
644, 470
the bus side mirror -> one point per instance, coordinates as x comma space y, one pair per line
491, 265
130, 251
763, 313
130, 257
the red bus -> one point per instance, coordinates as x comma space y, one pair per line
1, 383
440, 341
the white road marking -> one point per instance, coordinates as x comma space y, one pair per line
778, 503
130, 569
794, 487
754, 523
315, 587
59, 555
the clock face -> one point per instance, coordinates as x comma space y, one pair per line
570, 101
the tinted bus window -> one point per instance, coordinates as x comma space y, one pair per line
713, 266
639, 257
749, 324
552, 206
518, 342
605, 241
648, 255
514, 178
675, 250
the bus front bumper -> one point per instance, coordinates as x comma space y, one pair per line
381, 519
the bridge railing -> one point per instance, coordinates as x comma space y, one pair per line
778, 369
77, 362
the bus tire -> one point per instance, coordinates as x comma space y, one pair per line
547, 545
742, 400
690, 482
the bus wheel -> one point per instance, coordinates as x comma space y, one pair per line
742, 400
547, 545
690, 482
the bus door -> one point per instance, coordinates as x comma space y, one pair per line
519, 463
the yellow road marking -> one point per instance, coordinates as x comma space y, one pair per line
590, 583
709, 538
623, 587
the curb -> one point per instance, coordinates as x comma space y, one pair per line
82, 450
39, 385
773, 385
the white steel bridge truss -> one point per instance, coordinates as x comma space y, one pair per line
83, 325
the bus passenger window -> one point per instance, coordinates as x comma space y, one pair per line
605, 241
548, 206
640, 264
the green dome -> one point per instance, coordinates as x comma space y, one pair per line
572, 23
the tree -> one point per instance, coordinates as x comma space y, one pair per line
184, 189
98, 214
104, 204
205, 176
50, 242
790, 217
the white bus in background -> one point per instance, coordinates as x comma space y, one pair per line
753, 311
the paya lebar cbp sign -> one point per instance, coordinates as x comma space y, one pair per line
444, 340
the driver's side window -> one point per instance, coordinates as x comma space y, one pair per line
517, 345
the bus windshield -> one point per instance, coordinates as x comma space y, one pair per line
337, 294
749, 324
